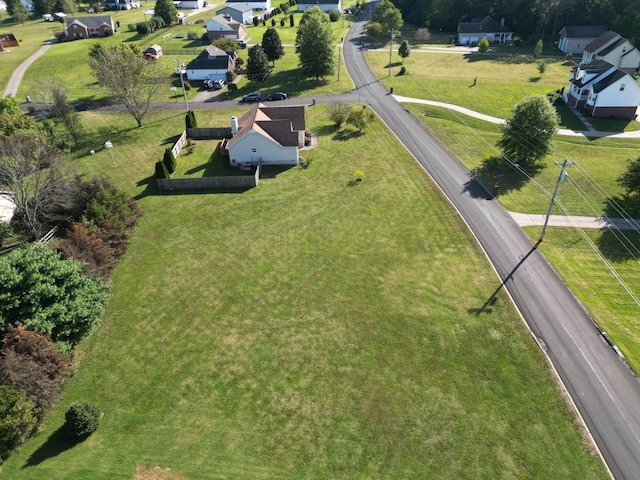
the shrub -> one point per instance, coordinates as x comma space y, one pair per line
169, 161
193, 35
273, 22
190, 122
157, 22
143, 28
17, 418
82, 419
334, 15
338, 113
108, 32
403, 70
483, 45
187, 86
291, 21
256, 21
97, 256
239, 63
132, 27
5, 232
282, 22
276, 11
374, 29
231, 76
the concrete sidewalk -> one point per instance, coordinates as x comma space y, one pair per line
601, 223
499, 121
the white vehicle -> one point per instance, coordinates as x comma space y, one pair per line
47, 17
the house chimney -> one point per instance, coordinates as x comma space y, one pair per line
234, 126
502, 22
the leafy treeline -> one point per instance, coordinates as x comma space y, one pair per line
529, 19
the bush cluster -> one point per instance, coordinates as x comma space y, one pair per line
82, 419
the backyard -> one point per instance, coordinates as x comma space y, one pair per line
306, 328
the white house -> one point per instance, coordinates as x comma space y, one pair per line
472, 32
574, 39
213, 63
121, 4
267, 136
240, 12
223, 26
324, 5
3, 6
264, 5
614, 49
603, 90
192, 4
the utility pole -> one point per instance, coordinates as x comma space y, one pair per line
186, 104
339, 60
391, 50
563, 174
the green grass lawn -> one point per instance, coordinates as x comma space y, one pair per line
306, 328
599, 162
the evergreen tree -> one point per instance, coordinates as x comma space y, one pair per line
404, 50
169, 161
483, 45
272, 45
167, 11
190, 120
315, 44
291, 21
161, 170
537, 50
526, 137
257, 65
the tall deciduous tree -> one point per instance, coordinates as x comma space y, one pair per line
257, 65
33, 170
127, 75
49, 294
20, 14
360, 117
272, 45
404, 50
527, 135
167, 11
315, 44
630, 180
62, 112
537, 50
388, 15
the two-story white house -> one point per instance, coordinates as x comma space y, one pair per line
614, 49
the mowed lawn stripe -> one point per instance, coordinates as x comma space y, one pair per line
312, 328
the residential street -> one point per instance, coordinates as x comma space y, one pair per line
602, 387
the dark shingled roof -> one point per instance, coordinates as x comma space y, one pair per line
91, 22
281, 124
210, 57
608, 80
584, 31
486, 25
595, 45
596, 67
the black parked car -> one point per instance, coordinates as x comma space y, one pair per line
251, 97
277, 96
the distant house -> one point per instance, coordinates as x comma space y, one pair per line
603, 90
324, 5
263, 5
121, 4
154, 52
267, 136
87, 27
191, 4
3, 6
8, 40
212, 64
224, 26
574, 39
240, 12
614, 49
470, 33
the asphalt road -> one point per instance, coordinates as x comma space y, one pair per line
602, 387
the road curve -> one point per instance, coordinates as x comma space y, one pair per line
602, 387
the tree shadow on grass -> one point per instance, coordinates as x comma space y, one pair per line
347, 134
151, 188
497, 171
57, 443
394, 64
621, 245
534, 79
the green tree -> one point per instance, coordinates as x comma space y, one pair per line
483, 45
17, 418
404, 50
161, 170
315, 44
272, 45
360, 117
527, 135
20, 13
256, 21
190, 120
127, 75
82, 419
62, 112
542, 67
291, 20
169, 161
44, 6
388, 15
229, 45
9, 105
374, 29
630, 179
167, 11
537, 50
10, 124
49, 294
257, 65
338, 113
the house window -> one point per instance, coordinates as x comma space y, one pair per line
254, 150
622, 85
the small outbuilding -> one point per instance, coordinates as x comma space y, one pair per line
574, 39
154, 52
8, 40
